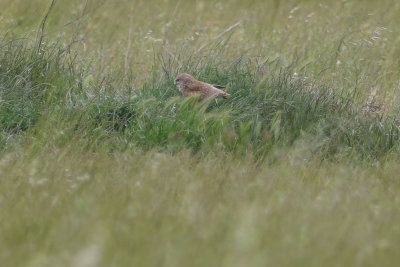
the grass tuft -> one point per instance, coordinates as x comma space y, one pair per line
268, 110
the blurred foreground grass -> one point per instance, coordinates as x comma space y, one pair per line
156, 209
103, 163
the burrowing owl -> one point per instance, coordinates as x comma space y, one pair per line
189, 86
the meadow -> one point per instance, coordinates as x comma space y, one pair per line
104, 163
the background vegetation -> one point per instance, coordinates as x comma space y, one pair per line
104, 163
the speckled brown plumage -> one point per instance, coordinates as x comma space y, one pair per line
189, 86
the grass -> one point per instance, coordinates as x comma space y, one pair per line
213, 211
104, 163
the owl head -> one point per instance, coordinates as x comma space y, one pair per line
183, 80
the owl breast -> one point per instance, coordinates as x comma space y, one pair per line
180, 87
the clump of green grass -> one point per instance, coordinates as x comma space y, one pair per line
32, 81
269, 107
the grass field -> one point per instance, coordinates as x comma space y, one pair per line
104, 163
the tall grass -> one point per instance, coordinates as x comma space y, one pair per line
269, 107
31, 83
